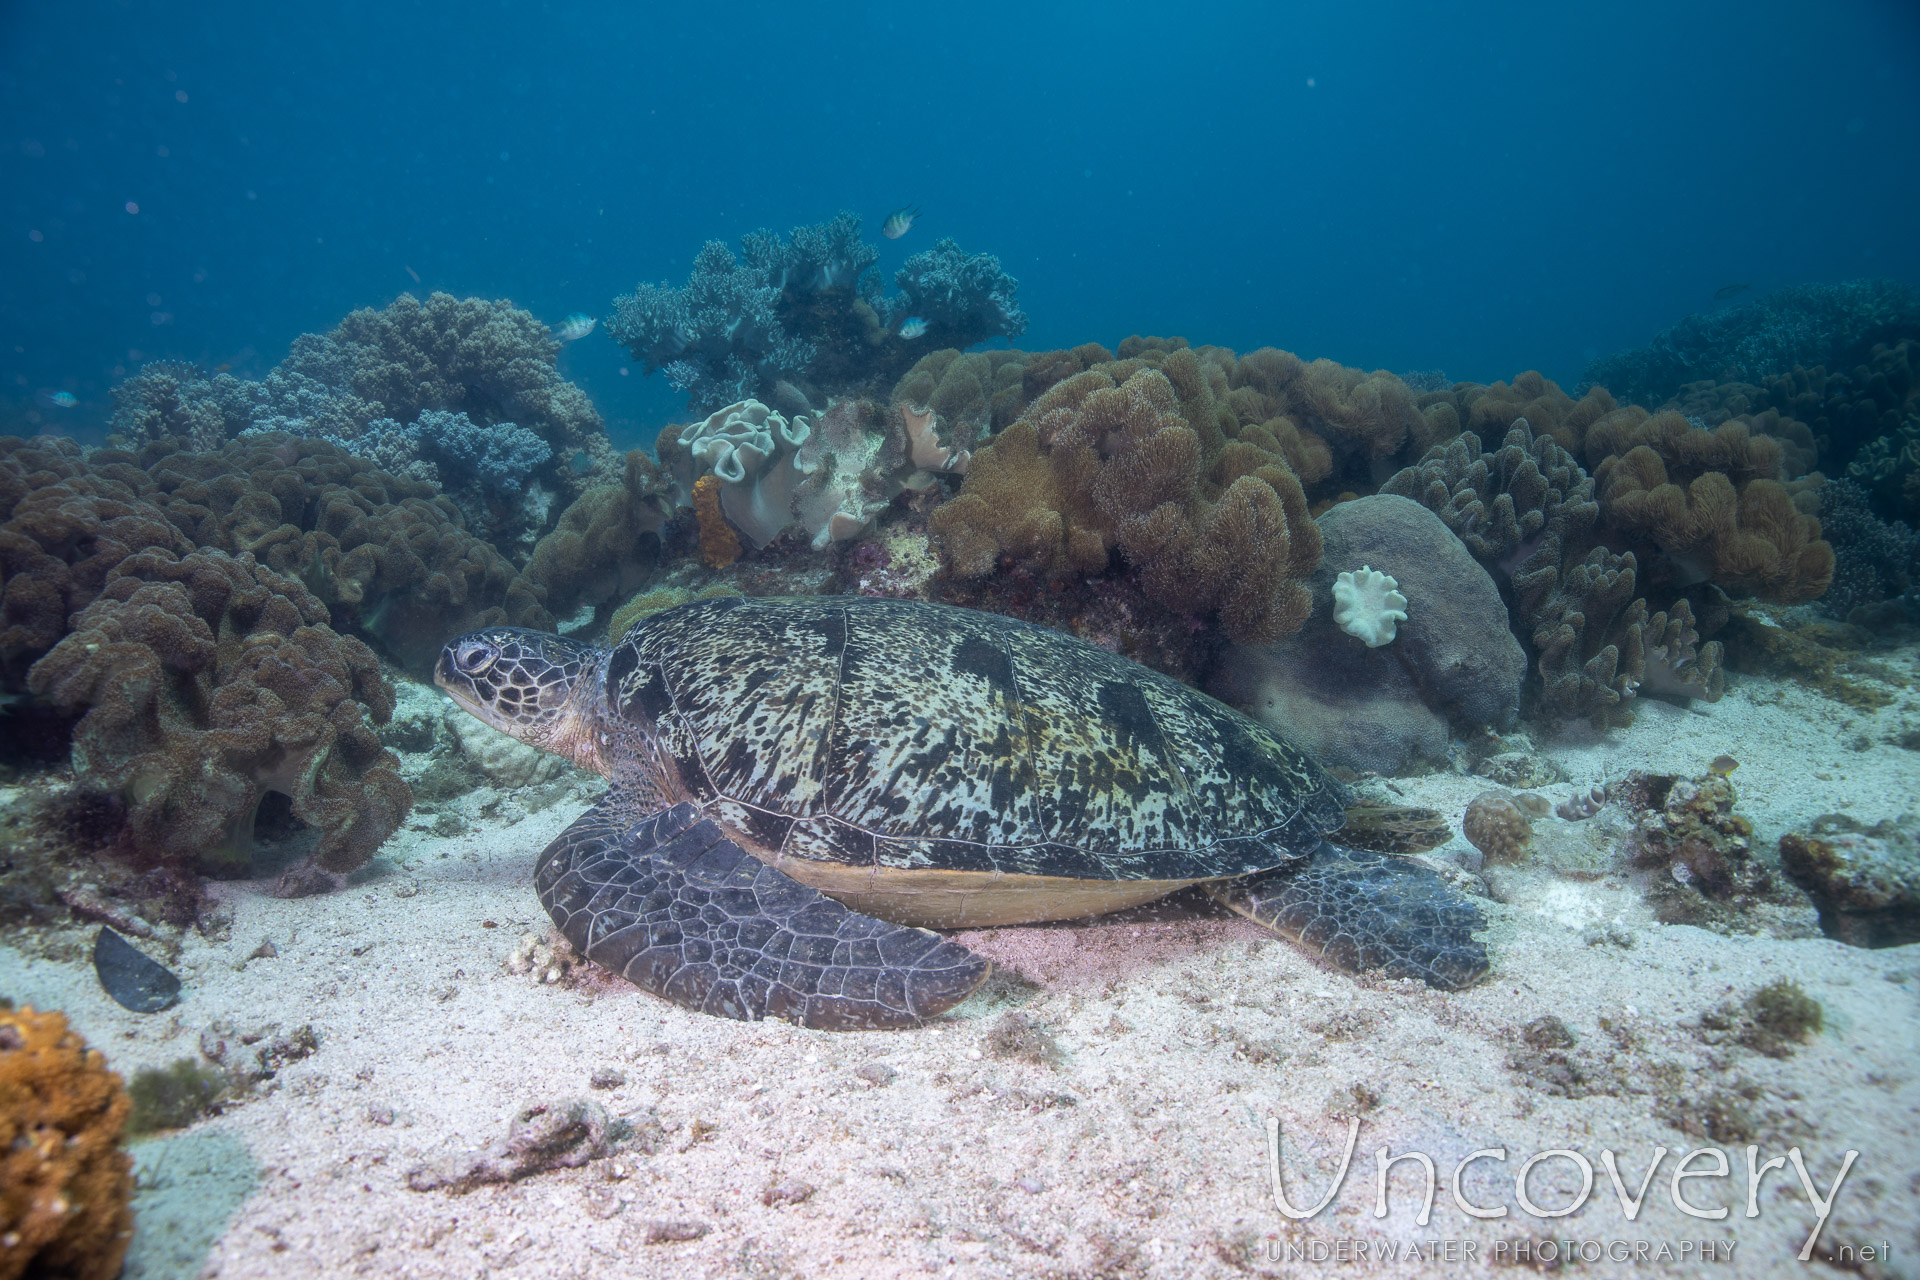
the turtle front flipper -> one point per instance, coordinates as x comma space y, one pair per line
667, 901
1365, 911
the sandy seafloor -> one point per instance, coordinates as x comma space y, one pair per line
1142, 1149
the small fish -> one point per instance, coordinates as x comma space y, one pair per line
223, 367
413, 273
1724, 765
900, 221
58, 399
912, 327
575, 327
1726, 291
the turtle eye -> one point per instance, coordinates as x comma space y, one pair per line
474, 656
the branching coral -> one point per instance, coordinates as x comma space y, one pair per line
964, 298
1874, 560
209, 681
808, 312
66, 1183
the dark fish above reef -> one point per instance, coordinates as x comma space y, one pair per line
1726, 291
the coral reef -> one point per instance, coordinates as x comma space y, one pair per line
965, 298
607, 541
1864, 879
807, 315
1527, 512
1138, 465
207, 682
1503, 505
753, 452
1385, 708
1873, 560
719, 545
1749, 538
1804, 325
385, 555
971, 396
66, 1183
485, 369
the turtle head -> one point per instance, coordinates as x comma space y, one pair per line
536, 686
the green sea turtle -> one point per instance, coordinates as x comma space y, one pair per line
800, 785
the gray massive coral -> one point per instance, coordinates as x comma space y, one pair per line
462, 391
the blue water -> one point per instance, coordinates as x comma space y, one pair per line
1398, 185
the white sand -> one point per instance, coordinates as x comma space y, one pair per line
1142, 1152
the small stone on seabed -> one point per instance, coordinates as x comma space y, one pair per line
661, 1231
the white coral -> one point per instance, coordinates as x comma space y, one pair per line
753, 452
1367, 606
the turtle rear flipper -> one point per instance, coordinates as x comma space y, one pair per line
668, 902
1365, 911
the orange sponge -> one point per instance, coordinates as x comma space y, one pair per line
65, 1181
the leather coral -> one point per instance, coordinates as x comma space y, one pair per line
208, 681
1141, 467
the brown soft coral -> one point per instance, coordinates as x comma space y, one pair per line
209, 681
1753, 538
1096, 466
1590, 635
1491, 411
386, 555
607, 541
971, 395
66, 1183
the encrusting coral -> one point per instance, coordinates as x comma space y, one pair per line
66, 1182
719, 545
